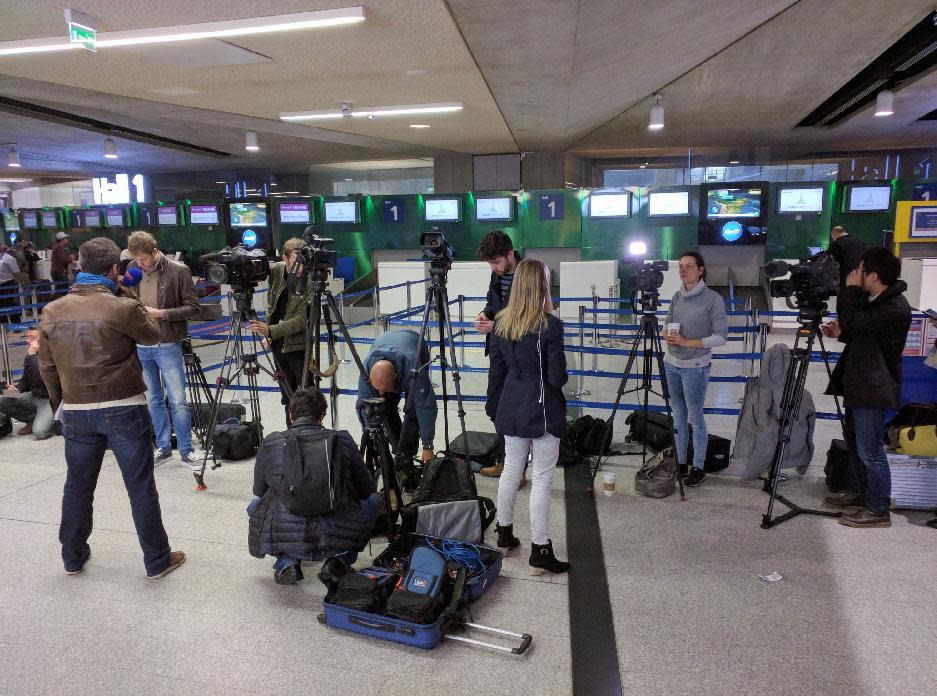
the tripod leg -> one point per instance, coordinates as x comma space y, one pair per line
446, 322
414, 371
441, 325
333, 367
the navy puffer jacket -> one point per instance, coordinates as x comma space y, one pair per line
525, 384
273, 529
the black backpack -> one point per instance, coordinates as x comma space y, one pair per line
589, 436
6, 425
312, 465
485, 448
446, 478
235, 440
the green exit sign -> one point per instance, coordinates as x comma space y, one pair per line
83, 35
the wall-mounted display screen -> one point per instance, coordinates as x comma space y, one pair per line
11, 221
296, 213
733, 203
116, 217
341, 211
50, 219
606, 205
203, 214
248, 214
494, 208
167, 215
91, 217
30, 220
800, 200
868, 199
442, 210
665, 203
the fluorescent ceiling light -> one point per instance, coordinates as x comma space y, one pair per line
419, 125
250, 143
13, 157
110, 149
221, 182
15, 181
657, 115
733, 161
194, 32
884, 103
368, 111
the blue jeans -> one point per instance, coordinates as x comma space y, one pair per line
163, 367
865, 432
687, 386
126, 430
371, 506
32, 411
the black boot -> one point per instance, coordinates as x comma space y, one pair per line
542, 558
506, 538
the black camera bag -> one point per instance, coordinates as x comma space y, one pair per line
589, 436
6, 425
837, 467
718, 450
366, 590
485, 448
235, 440
446, 478
652, 428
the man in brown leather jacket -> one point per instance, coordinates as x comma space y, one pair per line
168, 296
88, 361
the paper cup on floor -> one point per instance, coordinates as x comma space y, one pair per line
608, 482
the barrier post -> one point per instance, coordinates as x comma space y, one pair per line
5, 355
580, 390
35, 301
595, 329
409, 302
377, 313
461, 300
341, 313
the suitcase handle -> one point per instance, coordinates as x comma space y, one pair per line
378, 625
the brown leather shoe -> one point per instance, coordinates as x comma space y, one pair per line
866, 518
176, 559
25, 430
492, 471
843, 501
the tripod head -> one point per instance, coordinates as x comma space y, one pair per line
244, 301
315, 259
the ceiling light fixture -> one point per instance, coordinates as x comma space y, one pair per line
110, 148
346, 111
194, 32
13, 157
657, 114
14, 181
221, 182
733, 161
884, 103
250, 141
419, 125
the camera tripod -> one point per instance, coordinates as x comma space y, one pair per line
375, 448
809, 318
197, 385
248, 364
647, 341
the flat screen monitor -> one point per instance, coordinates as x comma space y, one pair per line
869, 199
501, 208
442, 210
116, 217
11, 221
248, 214
295, 213
167, 215
800, 200
733, 203
91, 217
50, 219
30, 220
608, 205
666, 203
203, 214
341, 211
814, 250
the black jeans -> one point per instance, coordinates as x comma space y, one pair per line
127, 430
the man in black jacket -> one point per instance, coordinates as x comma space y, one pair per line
498, 250
874, 318
847, 251
31, 404
292, 538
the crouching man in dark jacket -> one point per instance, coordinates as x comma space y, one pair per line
874, 318
293, 538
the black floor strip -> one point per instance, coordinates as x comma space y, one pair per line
593, 649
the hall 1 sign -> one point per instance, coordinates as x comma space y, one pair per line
551, 206
118, 191
394, 211
924, 192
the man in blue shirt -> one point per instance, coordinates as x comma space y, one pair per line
390, 365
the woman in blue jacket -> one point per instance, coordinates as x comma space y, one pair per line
526, 402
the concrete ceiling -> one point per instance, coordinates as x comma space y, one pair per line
534, 75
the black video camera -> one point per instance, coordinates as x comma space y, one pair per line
238, 267
643, 277
436, 249
812, 281
317, 260
373, 412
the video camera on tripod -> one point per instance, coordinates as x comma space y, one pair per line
813, 281
316, 259
238, 267
646, 278
437, 251
373, 410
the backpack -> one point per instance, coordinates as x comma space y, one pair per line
235, 440
447, 503
651, 428
658, 477
312, 464
589, 436
485, 448
446, 478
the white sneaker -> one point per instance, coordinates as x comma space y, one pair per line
160, 456
193, 459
